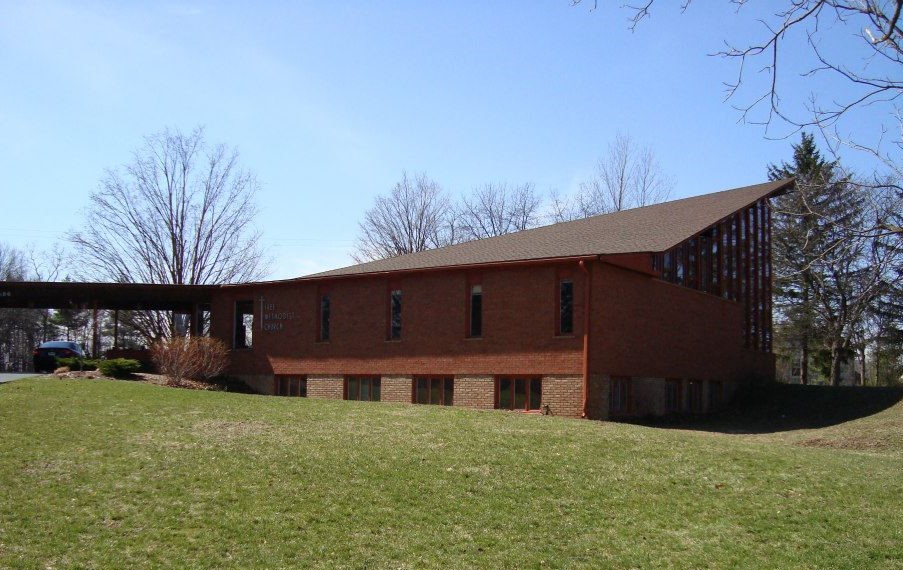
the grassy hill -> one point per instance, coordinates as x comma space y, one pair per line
106, 474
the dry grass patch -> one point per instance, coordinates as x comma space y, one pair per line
65, 372
856, 443
162, 380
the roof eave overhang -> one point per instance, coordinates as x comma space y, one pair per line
782, 189
421, 270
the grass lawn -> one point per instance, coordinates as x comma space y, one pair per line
113, 474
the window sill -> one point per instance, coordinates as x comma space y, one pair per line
473, 338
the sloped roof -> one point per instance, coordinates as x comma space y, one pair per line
648, 229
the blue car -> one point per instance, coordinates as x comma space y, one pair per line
46, 354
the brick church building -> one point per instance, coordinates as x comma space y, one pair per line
656, 310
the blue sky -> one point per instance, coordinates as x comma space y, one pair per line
329, 102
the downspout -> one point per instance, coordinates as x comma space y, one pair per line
588, 286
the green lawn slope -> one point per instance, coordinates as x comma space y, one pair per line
107, 474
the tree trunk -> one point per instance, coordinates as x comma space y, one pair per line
836, 358
804, 362
878, 361
862, 365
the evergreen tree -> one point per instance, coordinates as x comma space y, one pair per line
73, 324
829, 270
797, 240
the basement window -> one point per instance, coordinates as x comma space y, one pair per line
621, 398
437, 390
513, 393
694, 396
363, 388
244, 324
290, 386
672, 396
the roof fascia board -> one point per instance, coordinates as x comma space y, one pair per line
418, 270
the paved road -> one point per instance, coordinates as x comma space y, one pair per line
7, 377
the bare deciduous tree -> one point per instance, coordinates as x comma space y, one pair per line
847, 282
628, 176
415, 216
498, 209
854, 48
20, 329
180, 212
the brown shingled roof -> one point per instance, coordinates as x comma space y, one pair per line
648, 229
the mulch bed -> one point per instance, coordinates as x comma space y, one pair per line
157, 379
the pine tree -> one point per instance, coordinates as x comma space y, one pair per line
797, 239
829, 270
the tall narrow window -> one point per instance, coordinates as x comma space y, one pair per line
475, 314
395, 314
735, 257
518, 393
715, 270
692, 260
244, 324
565, 306
705, 262
323, 310
727, 288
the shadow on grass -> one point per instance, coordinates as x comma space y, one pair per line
783, 407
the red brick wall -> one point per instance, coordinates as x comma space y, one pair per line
475, 392
395, 389
327, 387
643, 327
519, 316
563, 395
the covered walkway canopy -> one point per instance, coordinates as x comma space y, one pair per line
124, 296
192, 300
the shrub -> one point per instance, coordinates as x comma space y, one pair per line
181, 358
75, 363
119, 367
